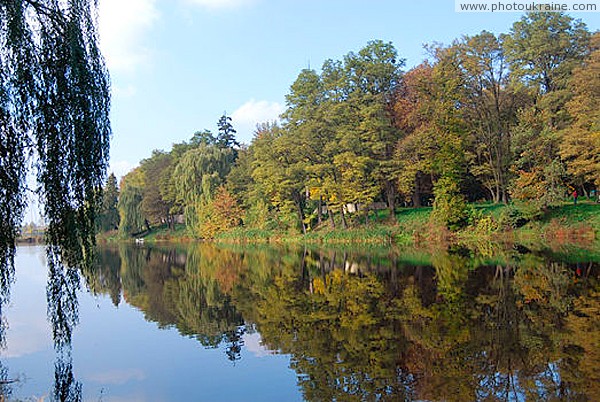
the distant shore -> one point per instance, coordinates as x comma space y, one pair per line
566, 224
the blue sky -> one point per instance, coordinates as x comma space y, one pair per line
177, 65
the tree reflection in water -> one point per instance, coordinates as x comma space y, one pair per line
63, 315
449, 325
7, 272
62, 311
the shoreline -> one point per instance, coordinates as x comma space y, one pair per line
567, 224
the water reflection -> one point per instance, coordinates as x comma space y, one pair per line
6, 279
388, 326
63, 315
453, 325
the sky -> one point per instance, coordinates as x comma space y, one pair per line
177, 65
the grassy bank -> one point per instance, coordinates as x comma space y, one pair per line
565, 224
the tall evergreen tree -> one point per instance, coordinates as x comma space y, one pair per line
226, 133
108, 216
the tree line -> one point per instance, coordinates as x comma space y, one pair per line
489, 117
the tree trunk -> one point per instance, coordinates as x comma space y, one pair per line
305, 275
298, 203
331, 220
496, 195
319, 210
343, 215
584, 191
391, 198
416, 197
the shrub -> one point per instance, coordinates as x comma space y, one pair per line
450, 207
483, 224
512, 217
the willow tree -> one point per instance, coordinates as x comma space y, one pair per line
198, 174
54, 110
54, 116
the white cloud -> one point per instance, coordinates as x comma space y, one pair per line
253, 112
253, 343
120, 168
118, 376
220, 4
123, 25
128, 91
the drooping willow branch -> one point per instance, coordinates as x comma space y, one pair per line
54, 110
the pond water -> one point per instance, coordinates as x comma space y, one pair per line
209, 323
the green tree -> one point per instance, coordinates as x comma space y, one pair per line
416, 148
108, 217
132, 220
543, 48
312, 126
167, 183
199, 172
491, 105
373, 75
158, 171
239, 180
340, 126
280, 174
226, 133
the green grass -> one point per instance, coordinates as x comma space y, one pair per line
410, 219
377, 234
582, 213
490, 209
409, 224
245, 235
160, 233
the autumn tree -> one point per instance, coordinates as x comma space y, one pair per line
580, 142
415, 148
543, 49
435, 140
221, 214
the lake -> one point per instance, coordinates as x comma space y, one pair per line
230, 323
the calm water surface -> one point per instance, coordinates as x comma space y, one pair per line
207, 323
